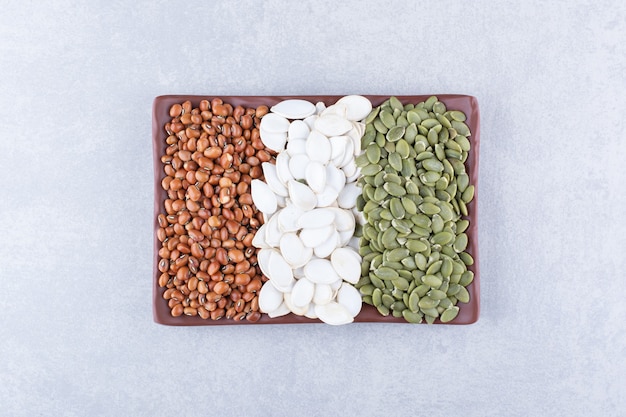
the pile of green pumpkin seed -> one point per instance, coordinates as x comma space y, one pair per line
414, 199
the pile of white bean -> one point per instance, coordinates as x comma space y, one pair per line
307, 245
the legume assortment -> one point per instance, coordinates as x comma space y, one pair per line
349, 207
207, 262
415, 192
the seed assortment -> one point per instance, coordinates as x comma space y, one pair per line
309, 199
207, 262
415, 194
322, 207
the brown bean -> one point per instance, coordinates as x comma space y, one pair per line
202, 287
177, 310
221, 288
254, 285
217, 314
197, 250
253, 316
194, 193
190, 311
235, 255
203, 312
242, 279
175, 110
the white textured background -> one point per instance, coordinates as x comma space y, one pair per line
77, 80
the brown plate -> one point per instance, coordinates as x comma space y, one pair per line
469, 105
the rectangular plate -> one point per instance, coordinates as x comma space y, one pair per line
469, 105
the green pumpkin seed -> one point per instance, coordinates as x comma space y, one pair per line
389, 236
446, 267
430, 123
413, 117
420, 231
373, 153
466, 258
395, 190
409, 205
455, 278
371, 169
462, 182
463, 295
437, 294
462, 207
416, 245
387, 300
401, 284
453, 289
432, 281
463, 143
402, 226
395, 161
410, 133
461, 128
398, 306
362, 160
462, 225
432, 164
395, 103
446, 211
380, 137
382, 310
430, 319
390, 177
440, 152
429, 208
379, 195
444, 122
468, 194
437, 223
420, 261
422, 289
387, 120
408, 168
386, 273
460, 243
441, 185
396, 207
449, 314
452, 154
442, 238
381, 128
412, 316
414, 302
395, 133
434, 267
377, 282
372, 115
433, 137
386, 214
408, 263
367, 289
459, 116
403, 148
445, 304
466, 278
377, 296
396, 255
439, 107
427, 302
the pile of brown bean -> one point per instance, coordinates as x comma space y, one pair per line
207, 262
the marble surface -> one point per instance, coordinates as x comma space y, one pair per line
76, 89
